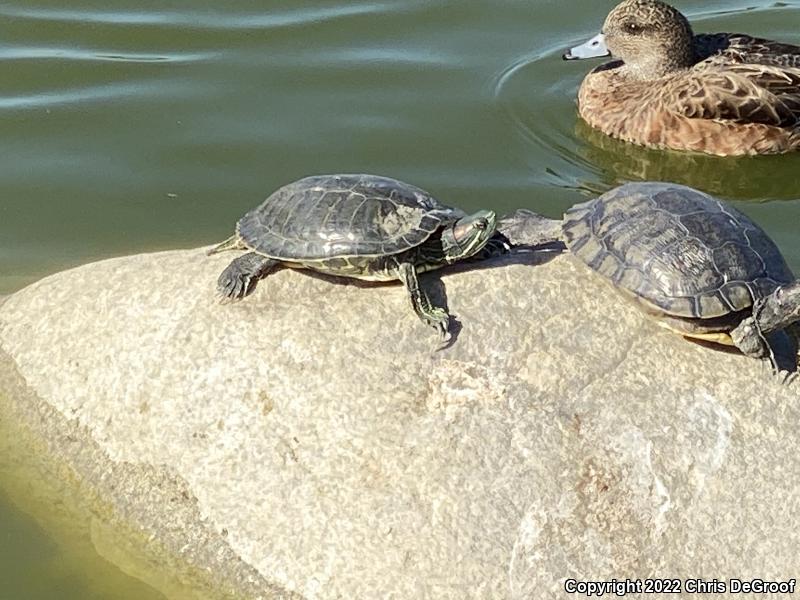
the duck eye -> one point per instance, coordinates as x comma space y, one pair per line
632, 28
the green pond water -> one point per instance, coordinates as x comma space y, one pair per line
47, 551
138, 126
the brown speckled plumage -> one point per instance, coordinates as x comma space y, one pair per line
724, 94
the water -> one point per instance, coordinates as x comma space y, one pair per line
52, 546
52, 562
131, 127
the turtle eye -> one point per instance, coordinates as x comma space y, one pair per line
481, 224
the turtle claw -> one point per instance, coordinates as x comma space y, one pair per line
241, 288
787, 378
241, 276
439, 320
444, 332
233, 289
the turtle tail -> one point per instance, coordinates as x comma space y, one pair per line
232, 243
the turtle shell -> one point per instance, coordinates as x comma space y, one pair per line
678, 250
340, 216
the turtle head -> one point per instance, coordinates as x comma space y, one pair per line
468, 235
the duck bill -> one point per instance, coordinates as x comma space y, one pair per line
594, 48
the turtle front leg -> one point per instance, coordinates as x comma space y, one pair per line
780, 309
498, 245
430, 315
240, 277
771, 316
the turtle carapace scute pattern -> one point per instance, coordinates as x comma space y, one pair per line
361, 226
680, 250
697, 265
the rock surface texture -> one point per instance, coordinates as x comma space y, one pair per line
338, 454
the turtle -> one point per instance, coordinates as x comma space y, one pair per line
694, 263
360, 226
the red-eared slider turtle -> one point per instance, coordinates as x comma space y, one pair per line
699, 266
361, 226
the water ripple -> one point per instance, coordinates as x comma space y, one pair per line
79, 54
536, 96
206, 19
112, 91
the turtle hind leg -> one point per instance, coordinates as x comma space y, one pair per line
779, 347
240, 277
778, 313
429, 314
782, 353
232, 243
793, 331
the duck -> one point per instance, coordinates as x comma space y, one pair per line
725, 94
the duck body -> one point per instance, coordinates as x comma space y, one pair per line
724, 93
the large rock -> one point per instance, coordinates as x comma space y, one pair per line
330, 448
